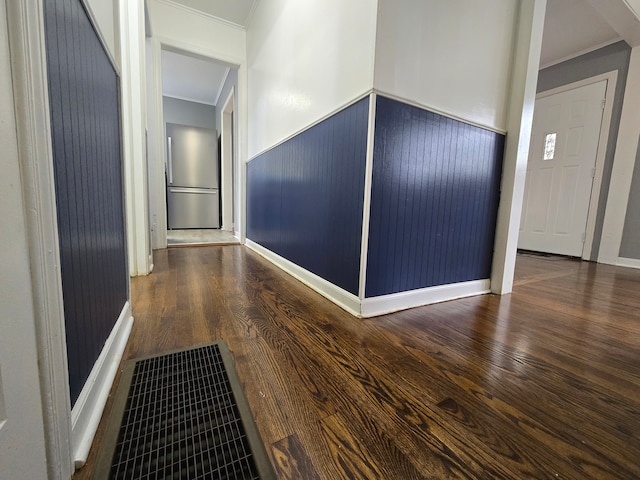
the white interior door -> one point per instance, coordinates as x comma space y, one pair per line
560, 171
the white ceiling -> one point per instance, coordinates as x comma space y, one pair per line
234, 11
572, 27
190, 78
196, 79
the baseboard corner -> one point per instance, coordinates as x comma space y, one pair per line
345, 300
384, 304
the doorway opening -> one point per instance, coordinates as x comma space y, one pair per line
565, 167
193, 189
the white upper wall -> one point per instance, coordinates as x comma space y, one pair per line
184, 29
305, 60
453, 56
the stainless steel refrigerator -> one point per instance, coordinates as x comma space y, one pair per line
193, 195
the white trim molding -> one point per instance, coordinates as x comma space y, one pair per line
228, 160
188, 99
371, 307
337, 295
522, 98
101, 36
580, 53
31, 98
628, 262
87, 411
368, 181
383, 304
202, 14
431, 108
324, 117
623, 166
157, 134
224, 80
132, 130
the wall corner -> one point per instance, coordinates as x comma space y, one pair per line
524, 78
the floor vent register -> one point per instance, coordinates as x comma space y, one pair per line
182, 416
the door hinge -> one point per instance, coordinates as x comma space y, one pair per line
584, 237
604, 103
593, 172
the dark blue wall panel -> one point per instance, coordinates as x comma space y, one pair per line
305, 197
84, 103
434, 204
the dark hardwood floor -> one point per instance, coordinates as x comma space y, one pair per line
542, 383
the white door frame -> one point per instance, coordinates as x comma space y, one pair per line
228, 149
622, 172
156, 125
596, 187
29, 71
133, 122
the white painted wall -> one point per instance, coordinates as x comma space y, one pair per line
22, 441
104, 14
452, 56
306, 60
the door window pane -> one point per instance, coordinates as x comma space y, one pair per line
549, 146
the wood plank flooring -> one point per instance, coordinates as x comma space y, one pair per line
542, 383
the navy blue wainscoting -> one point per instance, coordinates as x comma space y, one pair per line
84, 103
305, 197
435, 193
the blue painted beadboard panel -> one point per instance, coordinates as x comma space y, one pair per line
305, 197
85, 122
434, 204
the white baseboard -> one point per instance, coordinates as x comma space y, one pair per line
86, 413
371, 307
628, 262
337, 295
374, 306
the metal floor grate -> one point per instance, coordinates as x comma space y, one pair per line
181, 420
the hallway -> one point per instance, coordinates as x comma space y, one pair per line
542, 383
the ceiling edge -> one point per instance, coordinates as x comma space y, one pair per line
200, 13
580, 53
251, 14
187, 99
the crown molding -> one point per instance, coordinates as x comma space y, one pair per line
187, 99
202, 14
580, 53
252, 13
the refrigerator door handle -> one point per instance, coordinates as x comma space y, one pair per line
193, 190
169, 161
